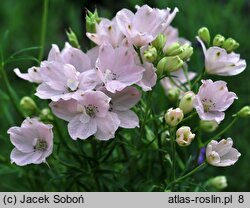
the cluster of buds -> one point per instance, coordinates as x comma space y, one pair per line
172, 57
219, 40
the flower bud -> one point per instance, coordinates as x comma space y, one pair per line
173, 94
184, 136
159, 42
218, 40
72, 38
150, 54
173, 116
208, 126
204, 35
174, 49
91, 20
230, 45
46, 115
186, 103
187, 52
244, 112
219, 182
169, 64
28, 105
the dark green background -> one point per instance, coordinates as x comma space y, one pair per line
23, 21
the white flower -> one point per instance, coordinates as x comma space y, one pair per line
173, 116
184, 136
222, 153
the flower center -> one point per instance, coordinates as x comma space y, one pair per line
207, 104
91, 110
40, 145
109, 75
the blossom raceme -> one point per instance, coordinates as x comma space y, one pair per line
88, 114
33, 142
222, 153
219, 62
212, 100
117, 69
121, 103
143, 27
107, 31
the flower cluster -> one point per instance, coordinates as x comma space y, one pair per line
97, 91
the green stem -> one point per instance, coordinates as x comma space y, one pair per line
185, 70
137, 49
191, 172
10, 91
43, 28
217, 136
172, 137
198, 79
178, 86
189, 117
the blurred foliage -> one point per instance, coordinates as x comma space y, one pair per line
22, 21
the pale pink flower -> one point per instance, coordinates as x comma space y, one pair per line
121, 103
179, 78
117, 68
221, 153
219, 62
76, 58
33, 142
93, 54
107, 32
143, 27
69, 55
88, 114
212, 100
33, 74
149, 77
63, 80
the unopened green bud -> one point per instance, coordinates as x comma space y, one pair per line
230, 45
244, 112
169, 64
173, 94
204, 35
91, 20
159, 42
46, 115
150, 54
218, 40
186, 103
174, 49
173, 116
72, 38
28, 105
219, 182
187, 52
208, 126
